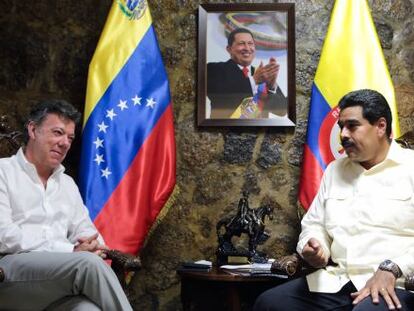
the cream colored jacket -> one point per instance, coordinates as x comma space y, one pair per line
362, 217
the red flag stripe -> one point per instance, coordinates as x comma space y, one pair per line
152, 172
309, 182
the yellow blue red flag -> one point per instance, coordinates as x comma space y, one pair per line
128, 162
351, 59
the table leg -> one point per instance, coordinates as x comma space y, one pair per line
233, 298
185, 295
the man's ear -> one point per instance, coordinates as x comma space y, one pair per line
31, 126
382, 126
228, 49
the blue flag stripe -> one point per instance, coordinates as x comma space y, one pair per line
319, 109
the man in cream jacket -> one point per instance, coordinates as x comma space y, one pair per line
362, 218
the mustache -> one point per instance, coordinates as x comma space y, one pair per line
346, 143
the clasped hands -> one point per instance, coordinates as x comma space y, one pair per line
91, 244
267, 73
381, 283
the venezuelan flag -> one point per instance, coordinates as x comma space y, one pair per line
127, 170
351, 59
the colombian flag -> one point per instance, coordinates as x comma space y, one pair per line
351, 59
128, 164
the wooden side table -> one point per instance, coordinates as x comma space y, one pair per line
206, 286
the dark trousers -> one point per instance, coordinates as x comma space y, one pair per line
295, 296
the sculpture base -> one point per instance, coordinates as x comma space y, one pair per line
238, 260
237, 256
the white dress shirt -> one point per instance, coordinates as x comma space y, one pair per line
35, 218
362, 217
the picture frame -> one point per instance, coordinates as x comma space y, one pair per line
221, 99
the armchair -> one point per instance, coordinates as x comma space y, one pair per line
293, 265
121, 263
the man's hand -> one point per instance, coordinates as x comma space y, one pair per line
382, 283
272, 73
267, 73
91, 244
313, 254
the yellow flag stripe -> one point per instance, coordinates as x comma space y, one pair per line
352, 57
115, 47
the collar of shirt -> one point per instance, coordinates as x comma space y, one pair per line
395, 154
30, 169
249, 73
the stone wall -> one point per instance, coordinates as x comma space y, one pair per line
45, 50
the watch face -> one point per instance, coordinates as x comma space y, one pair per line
387, 263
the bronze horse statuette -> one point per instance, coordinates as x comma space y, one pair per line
248, 221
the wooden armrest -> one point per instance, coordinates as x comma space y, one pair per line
293, 265
124, 261
1, 275
289, 265
409, 282
406, 140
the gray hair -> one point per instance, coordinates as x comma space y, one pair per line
59, 107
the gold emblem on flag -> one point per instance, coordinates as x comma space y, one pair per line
249, 109
133, 9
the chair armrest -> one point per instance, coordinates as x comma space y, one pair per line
409, 282
1, 275
288, 265
124, 261
293, 265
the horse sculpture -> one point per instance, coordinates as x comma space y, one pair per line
248, 221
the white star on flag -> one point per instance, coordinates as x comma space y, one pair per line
106, 172
110, 114
136, 100
102, 127
122, 104
98, 142
99, 159
150, 103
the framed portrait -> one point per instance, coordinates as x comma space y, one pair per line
246, 65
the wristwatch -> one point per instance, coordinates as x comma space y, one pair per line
388, 265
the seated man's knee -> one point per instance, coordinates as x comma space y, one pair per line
269, 300
89, 260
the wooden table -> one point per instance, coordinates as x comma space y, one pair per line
222, 290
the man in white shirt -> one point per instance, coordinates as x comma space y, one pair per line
362, 219
50, 250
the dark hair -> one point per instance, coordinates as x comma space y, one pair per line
59, 107
374, 106
230, 38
